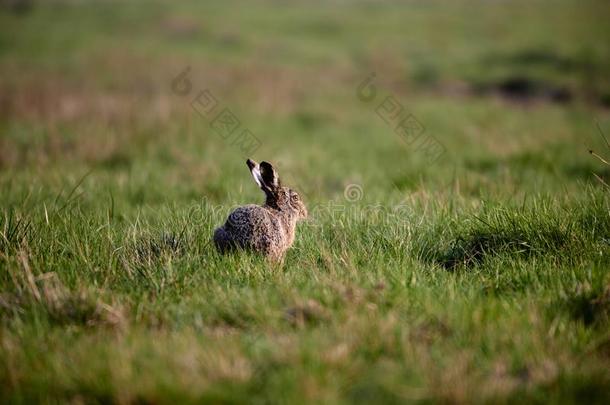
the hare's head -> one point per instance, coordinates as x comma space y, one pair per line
282, 198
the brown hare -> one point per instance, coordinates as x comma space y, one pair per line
269, 228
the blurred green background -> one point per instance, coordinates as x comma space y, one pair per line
501, 85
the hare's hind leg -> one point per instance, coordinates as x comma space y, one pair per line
222, 240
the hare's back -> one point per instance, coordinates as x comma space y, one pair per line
256, 226
248, 218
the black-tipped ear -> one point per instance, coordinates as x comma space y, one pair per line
256, 173
270, 176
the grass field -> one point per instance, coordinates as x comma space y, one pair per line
468, 265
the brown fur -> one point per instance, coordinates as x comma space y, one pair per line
267, 229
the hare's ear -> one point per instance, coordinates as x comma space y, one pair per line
270, 176
265, 176
256, 172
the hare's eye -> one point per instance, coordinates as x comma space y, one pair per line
294, 197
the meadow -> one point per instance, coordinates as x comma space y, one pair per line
463, 261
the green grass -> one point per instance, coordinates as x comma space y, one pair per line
479, 277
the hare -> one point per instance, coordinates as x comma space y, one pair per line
269, 228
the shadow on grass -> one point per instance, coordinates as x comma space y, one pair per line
565, 235
589, 305
571, 77
149, 250
472, 248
